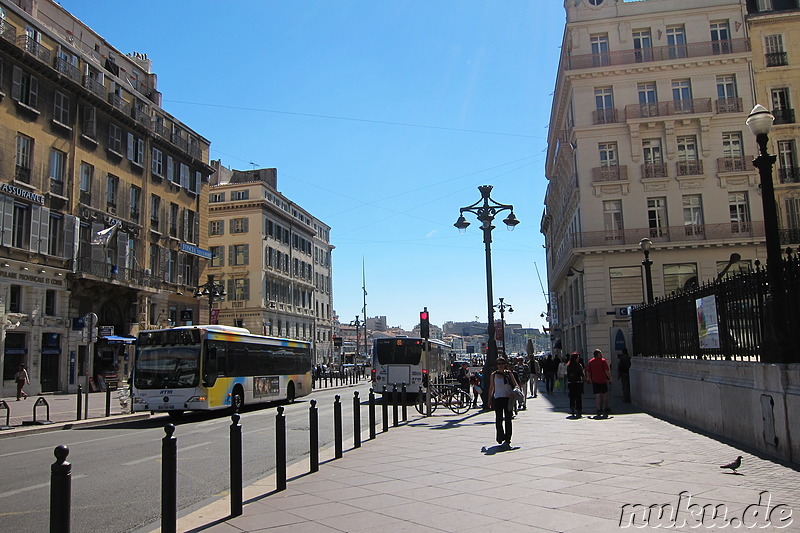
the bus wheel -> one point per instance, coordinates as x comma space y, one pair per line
175, 415
290, 396
237, 400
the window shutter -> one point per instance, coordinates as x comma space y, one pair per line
170, 169
232, 226
246, 289
246, 225
89, 122
16, 84
231, 290
36, 212
70, 233
196, 227
98, 251
231, 255
130, 146
44, 231
33, 93
122, 254
164, 263
246, 254
185, 225
184, 176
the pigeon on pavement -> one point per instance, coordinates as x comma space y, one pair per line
734, 465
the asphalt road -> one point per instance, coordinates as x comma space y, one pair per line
116, 469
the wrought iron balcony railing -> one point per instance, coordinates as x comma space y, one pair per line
604, 116
729, 105
664, 109
776, 59
789, 174
740, 163
783, 116
70, 71
94, 86
658, 53
610, 173
119, 103
654, 170
689, 168
34, 48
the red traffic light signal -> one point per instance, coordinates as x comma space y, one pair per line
424, 324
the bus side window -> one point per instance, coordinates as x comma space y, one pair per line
211, 369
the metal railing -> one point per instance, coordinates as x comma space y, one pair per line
70, 71
94, 86
689, 168
739, 163
654, 170
776, 59
34, 48
670, 108
729, 105
610, 173
788, 175
604, 116
658, 53
119, 103
783, 116
693, 232
108, 271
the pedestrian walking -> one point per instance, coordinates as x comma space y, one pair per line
536, 371
522, 372
549, 368
623, 372
475, 381
501, 392
21, 378
561, 375
598, 373
575, 373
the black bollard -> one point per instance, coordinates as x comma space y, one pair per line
394, 405
169, 481
337, 427
108, 401
313, 436
356, 420
404, 402
371, 414
80, 402
385, 410
86, 403
60, 491
236, 465
280, 450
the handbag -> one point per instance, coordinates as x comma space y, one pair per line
518, 394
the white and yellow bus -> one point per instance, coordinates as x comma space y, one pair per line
200, 368
398, 360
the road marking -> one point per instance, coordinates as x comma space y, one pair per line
156, 457
34, 487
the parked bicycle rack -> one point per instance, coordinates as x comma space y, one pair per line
4, 405
39, 401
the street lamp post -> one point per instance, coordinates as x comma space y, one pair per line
486, 209
646, 244
357, 324
760, 124
212, 290
502, 306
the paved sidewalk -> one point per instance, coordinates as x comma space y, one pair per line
446, 473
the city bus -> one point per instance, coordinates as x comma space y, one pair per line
201, 368
400, 360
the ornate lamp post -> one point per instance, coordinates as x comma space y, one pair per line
760, 124
502, 306
646, 244
212, 290
486, 209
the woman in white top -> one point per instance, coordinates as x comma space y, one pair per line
501, 390
561, 374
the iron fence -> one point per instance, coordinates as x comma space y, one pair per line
671, 327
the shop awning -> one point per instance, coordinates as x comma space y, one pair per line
117, 339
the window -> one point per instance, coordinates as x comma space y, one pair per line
155, 212
676, 40
24, 158
50, 302
608, 154
732, 145
764, 5
680, 277
136, 201
240, 195
774, 54
657, 216
626, 285
55, 243
793, 214
216, 197
600, 50
739, 212
135, 149
21, 226
787, 162
58, 168
682, 96
189, 234
115, 139
157, 163
14, 299
89, 122
239, 225
688, 163
604, 106
693, 214
87, 175
155, 255
216, 227
217, 256
727, 95
25, 88
61, 108
239, 289
653, 166
648, 102
112, 190
781, 106
720, 37
238, 254
612, 219
642, 44
173, 220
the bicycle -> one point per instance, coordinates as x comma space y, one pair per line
454, 398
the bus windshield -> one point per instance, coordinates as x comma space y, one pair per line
164, 367
399, 353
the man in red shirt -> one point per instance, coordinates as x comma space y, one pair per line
598, 373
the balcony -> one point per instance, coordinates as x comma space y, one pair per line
195, 151
8, 32
141, 116
788, 175
57, 187
180, 142
665, 109
68, 70
729, 105
108, 271
610, 173
776, 59
689, 168
658, 53
85, 198
739, 163
688, 232
161, 130
783, 116
118, 103
22, 174
94, 86
604, 116
654, 170
33, 48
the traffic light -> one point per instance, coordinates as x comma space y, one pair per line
424, 324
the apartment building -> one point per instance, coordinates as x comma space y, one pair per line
100, 196
272, 257
647, 140
774, 27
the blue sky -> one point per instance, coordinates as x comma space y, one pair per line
382, 119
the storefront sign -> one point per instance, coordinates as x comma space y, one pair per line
21, 193
21, 276
195, 250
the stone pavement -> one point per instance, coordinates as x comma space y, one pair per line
446, 473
